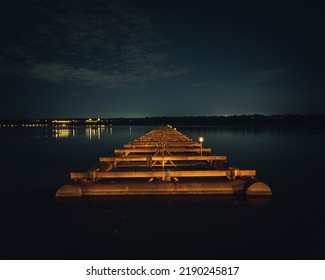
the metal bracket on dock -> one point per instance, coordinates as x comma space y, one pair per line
234, 173
93, 175
149, 161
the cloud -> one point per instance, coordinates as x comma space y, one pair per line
111, 44
61, 73
264, 76
204, 85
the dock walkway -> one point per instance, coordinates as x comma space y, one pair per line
163, 161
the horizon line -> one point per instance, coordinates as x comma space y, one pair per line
187, 116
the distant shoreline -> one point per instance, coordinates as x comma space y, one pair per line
308, 120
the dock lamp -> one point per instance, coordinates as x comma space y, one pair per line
201, 139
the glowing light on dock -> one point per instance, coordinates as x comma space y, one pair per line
201, 139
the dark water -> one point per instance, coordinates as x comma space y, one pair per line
34, 225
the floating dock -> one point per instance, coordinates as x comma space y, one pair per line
164, 162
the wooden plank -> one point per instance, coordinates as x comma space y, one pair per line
161, 144
79, 175
160, 158
171, 150
157, 140
163, 174
160, 139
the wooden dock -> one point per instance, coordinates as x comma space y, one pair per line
163, 161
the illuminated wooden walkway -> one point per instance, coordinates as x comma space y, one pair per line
163, 161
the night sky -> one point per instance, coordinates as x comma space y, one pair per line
62, 59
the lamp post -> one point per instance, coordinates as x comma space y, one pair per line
201, 139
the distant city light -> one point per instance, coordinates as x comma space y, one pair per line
61, 121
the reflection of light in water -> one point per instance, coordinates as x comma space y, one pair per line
61, 133
94, 132
110, 130
259, 201
91, 132
130, 130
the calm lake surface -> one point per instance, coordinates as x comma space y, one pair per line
35, 161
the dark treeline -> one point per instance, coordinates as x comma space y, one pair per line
308, 120
226, 120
